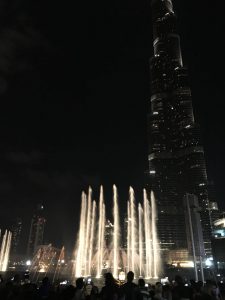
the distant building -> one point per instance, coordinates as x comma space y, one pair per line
219, 227
108, 233
36, 234
218, 251
193, 227
214, 211
16, 229
218, 242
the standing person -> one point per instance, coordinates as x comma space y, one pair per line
180, 291
45, 288
143, 293
130, 289
211, 291
111, 290
94, 292
167, 292
79, 292
158, 291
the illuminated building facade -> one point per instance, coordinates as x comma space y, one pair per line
36, 233
176, 155
218, 243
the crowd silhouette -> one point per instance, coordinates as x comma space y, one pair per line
18, 288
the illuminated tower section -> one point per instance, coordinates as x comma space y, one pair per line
36, 234
176, 156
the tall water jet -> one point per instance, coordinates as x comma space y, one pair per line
102, 236
81, 242
59, 264
154, 238
148, 241
140, 231
133, 228
116, 233
93, 216
2, 250
128, 235
87, 233
5, 251
101, 228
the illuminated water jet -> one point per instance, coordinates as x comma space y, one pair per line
5, 250
99, 249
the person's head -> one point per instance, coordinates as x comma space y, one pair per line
166, 288
199, 286
16, 278
192, 282
109, 278
141, 283
158, 287
45, 281
70, 291
94, 290
178, 279
80, 283
130, 276
211, 288
26, 277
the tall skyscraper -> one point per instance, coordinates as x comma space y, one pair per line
176, 155
36, 233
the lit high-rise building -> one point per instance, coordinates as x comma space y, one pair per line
176, 156
36, 234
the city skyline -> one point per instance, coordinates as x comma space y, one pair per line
52, 149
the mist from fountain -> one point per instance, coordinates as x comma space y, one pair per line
95, 255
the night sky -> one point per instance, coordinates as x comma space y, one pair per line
74, 89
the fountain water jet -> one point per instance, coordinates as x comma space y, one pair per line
81, 241
116, 233
5, 250
154, 238
140, 220
88, 229
148, 241
93, 215
101, 230
95, 254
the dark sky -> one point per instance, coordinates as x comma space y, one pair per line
74, 88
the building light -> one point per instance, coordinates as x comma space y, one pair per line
209, 262
188, 126
152, 172
28, 262
155, 113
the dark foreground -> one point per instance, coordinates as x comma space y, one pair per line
21, 287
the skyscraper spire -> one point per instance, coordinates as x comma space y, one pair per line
166, 40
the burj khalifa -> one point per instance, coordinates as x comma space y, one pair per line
176, 155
